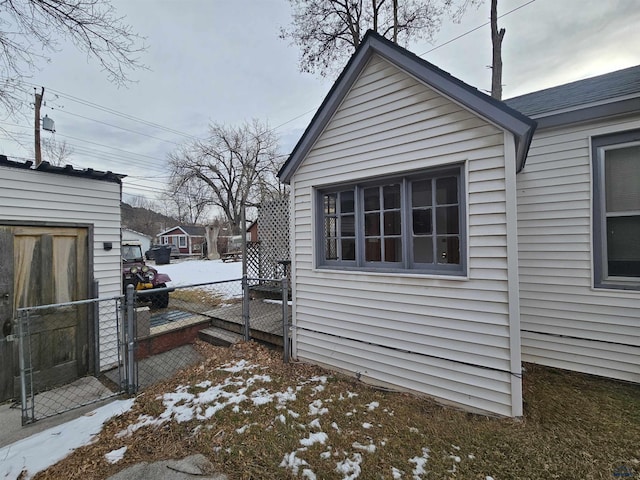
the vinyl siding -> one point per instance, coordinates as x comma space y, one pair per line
450, 338
30, 196
567, 323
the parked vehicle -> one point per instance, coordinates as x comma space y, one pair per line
143, 277
175, 252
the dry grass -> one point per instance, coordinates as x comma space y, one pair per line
575, 427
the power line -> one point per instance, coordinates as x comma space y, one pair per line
474, 29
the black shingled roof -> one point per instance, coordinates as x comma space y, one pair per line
579, 93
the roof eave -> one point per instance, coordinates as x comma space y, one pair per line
581, 114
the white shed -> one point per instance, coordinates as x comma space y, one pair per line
404, 238
145, 240
59, 242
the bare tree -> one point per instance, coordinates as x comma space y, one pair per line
496, 40
237, 164
190, 199
56, 153
32, 29
328, 31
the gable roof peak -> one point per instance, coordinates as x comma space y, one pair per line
446, 84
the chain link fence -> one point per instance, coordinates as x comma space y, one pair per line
77, 353
69, 355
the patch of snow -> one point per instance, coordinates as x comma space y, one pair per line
351, 394
366, 425
371, 448
282, 418
319, 437
316, 408
315, 424
325, 455
39, 451
293, 414
306, 473
334, 425
114, 456
372, 406
235, 367
455, 458
413, 429
420, 463
292, 462
396, 473
471, 456
350, 467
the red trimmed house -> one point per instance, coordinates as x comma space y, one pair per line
188, 238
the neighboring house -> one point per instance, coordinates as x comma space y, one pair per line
409, 223
59, 242
252, 232
188, 238
145, 240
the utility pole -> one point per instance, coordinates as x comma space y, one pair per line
496, 39
37, 127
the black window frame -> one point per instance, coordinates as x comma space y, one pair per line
406, 263
599, 146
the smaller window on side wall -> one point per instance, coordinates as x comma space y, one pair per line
616, 210
182, 241
413, 222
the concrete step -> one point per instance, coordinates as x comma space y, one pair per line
220, 336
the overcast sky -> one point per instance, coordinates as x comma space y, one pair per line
222, 61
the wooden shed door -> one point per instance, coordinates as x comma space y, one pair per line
43, 266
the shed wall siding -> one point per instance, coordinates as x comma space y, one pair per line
446, 337
30, 196
567, 323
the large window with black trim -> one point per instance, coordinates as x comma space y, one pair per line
412, 222
616, 210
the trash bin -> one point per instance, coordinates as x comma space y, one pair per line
162, 254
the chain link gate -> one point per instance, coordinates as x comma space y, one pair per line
58, 370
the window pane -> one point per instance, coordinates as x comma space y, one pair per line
423, 249
392, 250
391, 196
330, 229
371, 199
348, 226
349, 249
449, 250
346, 202
332, 249
392, 223
421, 193
622, 179
422, 222
447, 220
330, 203
623, 246
372, 250
446, 190
372, 224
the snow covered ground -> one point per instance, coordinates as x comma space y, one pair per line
190, 272
38, 452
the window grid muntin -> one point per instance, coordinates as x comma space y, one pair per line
405, 238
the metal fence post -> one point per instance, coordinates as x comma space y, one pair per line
285, 319
245, 307
28, 404
132, 384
